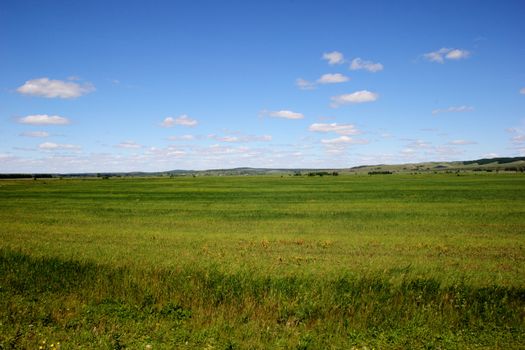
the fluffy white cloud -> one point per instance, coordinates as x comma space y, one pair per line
304, 84
342, 140
358, 63
341, 129
35, 134
286, 114
355, 97
332, 78
183, 120
453, 109
333, 57
51, 146
44, 119
128, 144
45, 87
440, 55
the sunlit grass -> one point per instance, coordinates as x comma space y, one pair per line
264, 262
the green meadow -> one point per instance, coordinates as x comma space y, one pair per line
428, 261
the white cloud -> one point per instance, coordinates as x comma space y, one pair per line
44, 119
226, 138
420, 150
304, 84
242, 138
181, 138
342, 140
436, 56
286, 114
51, 146
522, 91
5, 156
461, 142
453, 109
162, 154
35, 134
168, 122
333, 57
355, 97
129, 145
440, 55
358, 63
457, 54
45, 87
332, 78
183, 120
341, 129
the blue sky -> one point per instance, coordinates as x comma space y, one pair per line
95, 86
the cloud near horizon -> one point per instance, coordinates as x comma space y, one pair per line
462, 142
343, 140
128, 144
51, 146
241, 138
181, 138
341, 129
48, 88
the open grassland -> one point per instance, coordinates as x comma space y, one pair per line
396, 261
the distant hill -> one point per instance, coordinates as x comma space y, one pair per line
485, 164
509, 164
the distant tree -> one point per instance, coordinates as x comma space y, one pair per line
379, 172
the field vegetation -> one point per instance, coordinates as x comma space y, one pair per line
264, 262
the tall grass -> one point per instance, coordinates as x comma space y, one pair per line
86, 304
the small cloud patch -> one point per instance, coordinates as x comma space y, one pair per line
44, 119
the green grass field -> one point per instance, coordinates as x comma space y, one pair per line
264, 262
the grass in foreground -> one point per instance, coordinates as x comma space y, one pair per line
264, 262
